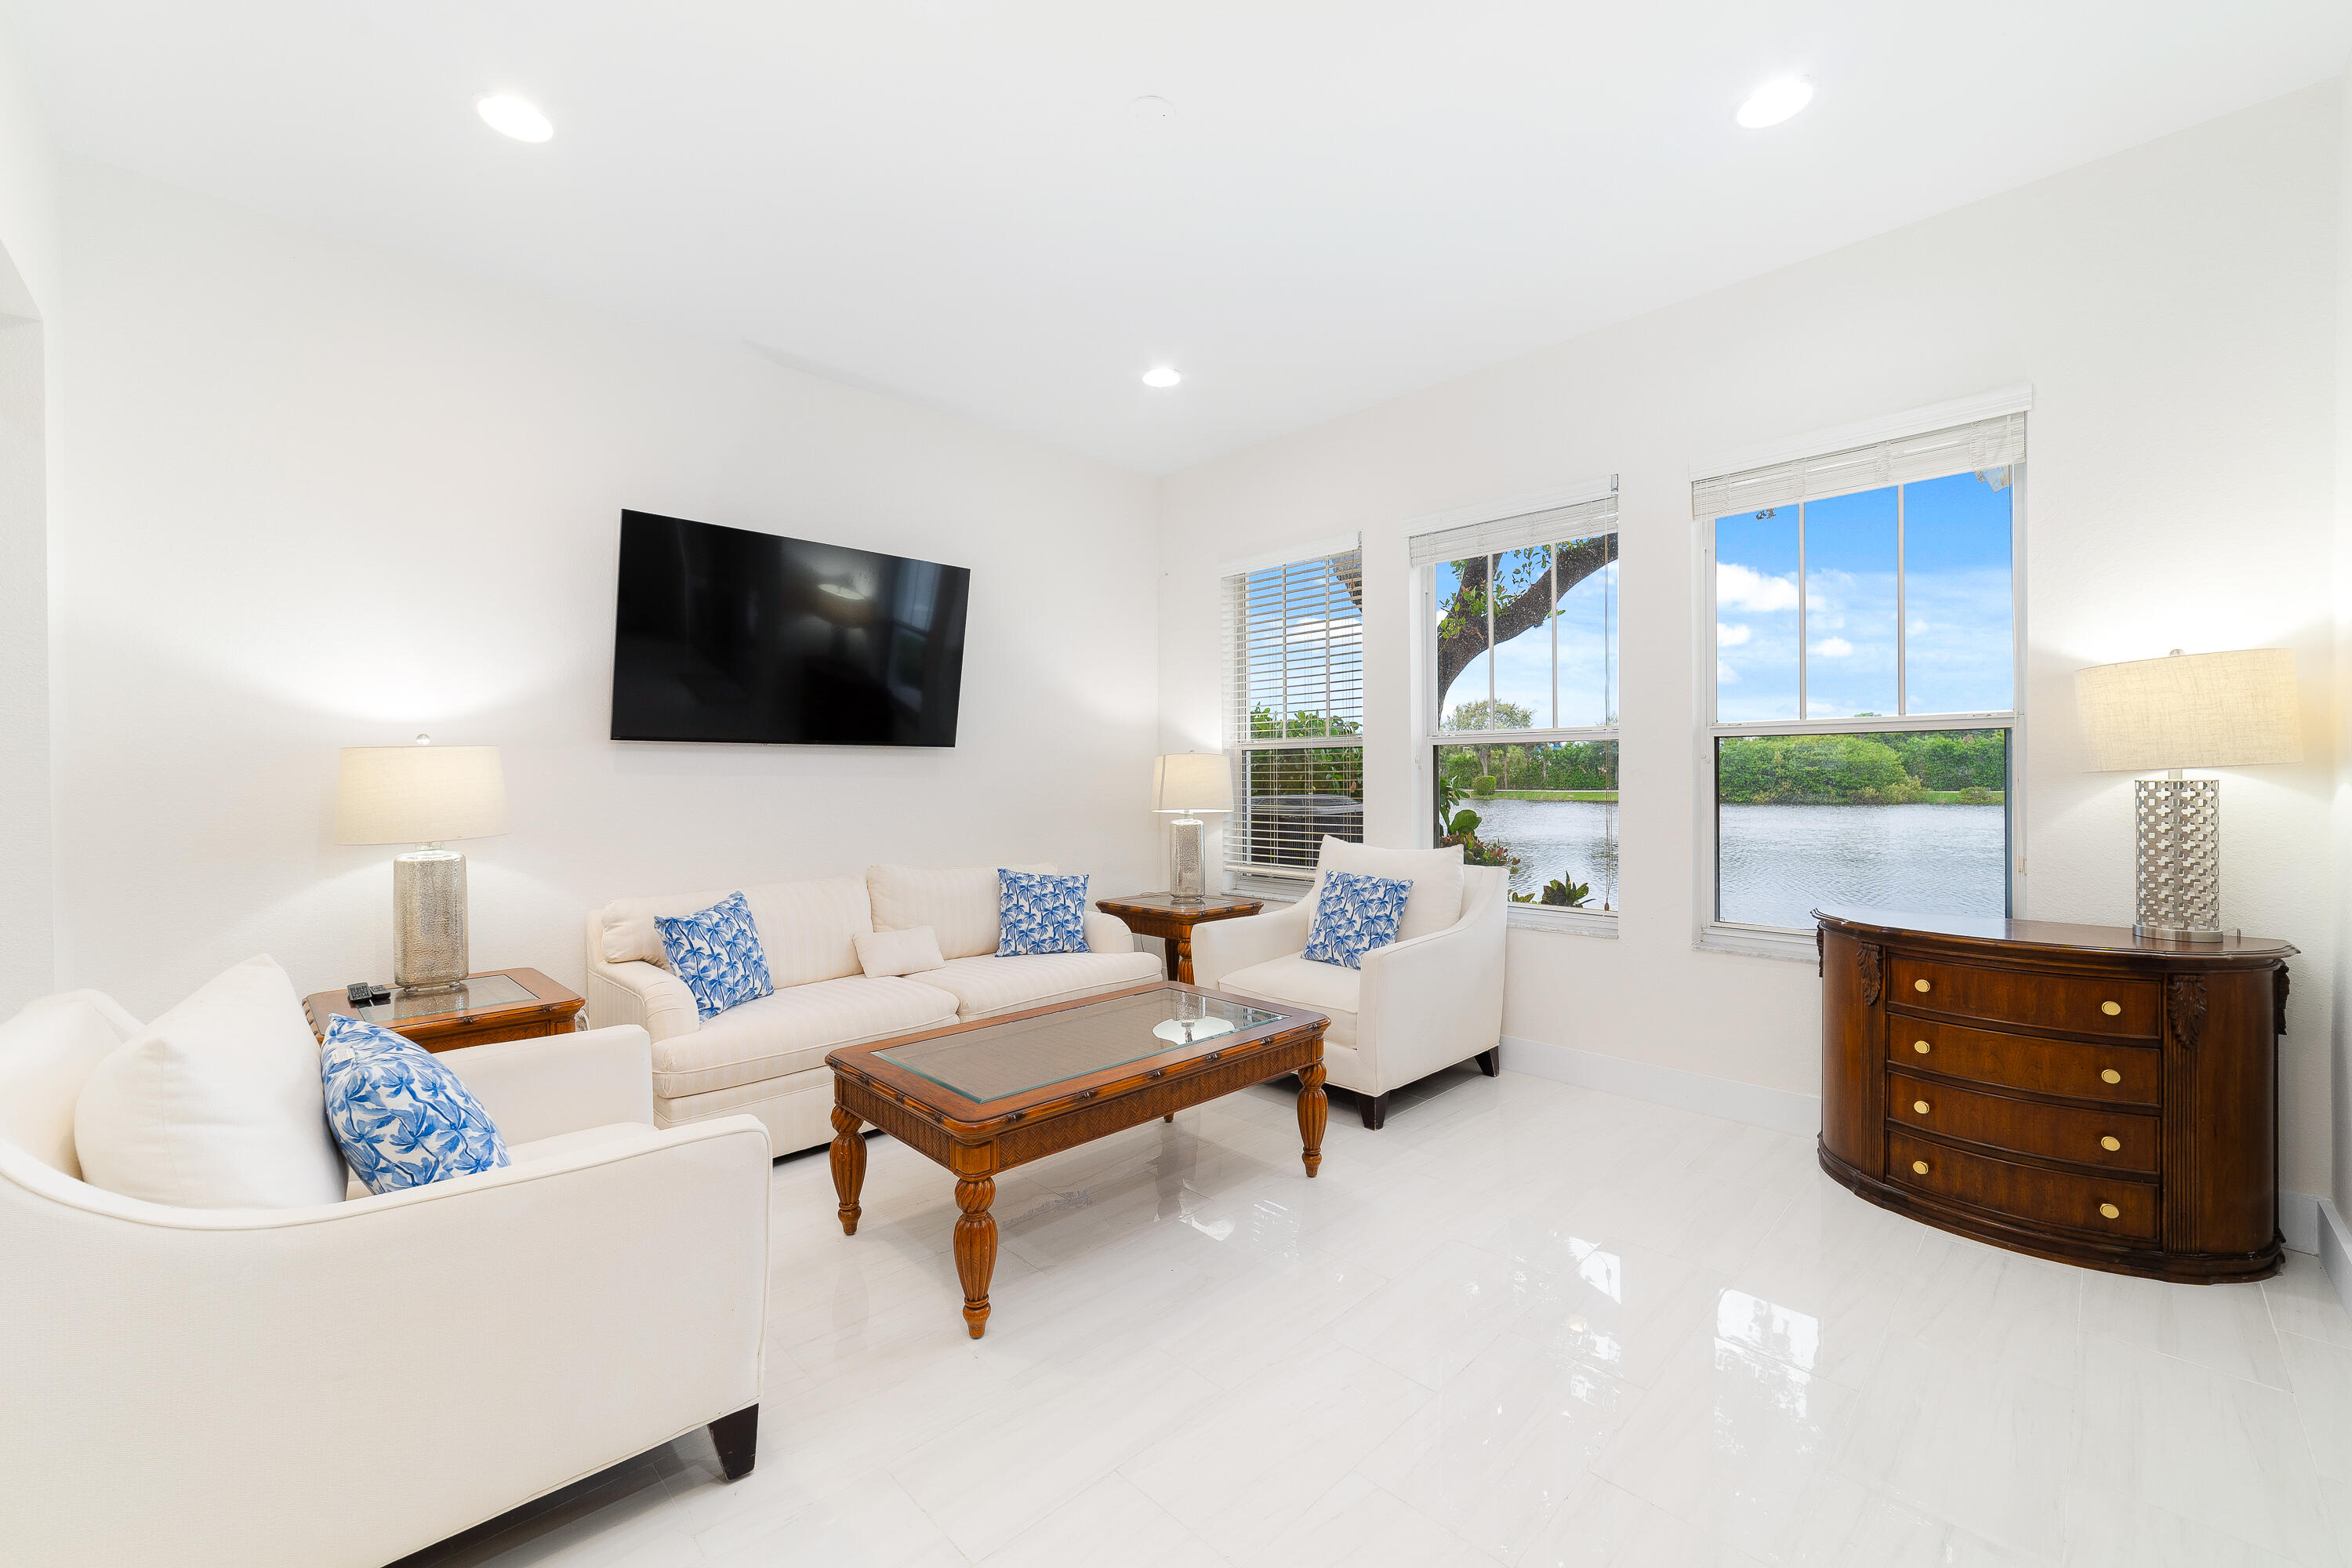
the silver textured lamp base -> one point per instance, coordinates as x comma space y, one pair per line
429, 950
2179, 859
1186, 879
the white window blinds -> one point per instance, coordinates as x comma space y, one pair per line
1295, 708
1976, 446
1498, 535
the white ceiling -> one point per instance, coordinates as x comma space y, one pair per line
952, 201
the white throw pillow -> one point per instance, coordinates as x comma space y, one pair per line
214, 1105
887, 953
1435, 901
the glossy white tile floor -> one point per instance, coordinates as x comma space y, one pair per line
1523, 1324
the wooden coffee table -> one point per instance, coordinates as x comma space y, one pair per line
983, 1097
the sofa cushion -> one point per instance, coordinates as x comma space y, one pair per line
808, 930
1293, 979
987, 986
403, 1119
1435, 901
793, 1030
46, 1052
959, 904
216, 1104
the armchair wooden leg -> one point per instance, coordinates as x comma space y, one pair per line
1490, 1061
1374, 1108
736, 1438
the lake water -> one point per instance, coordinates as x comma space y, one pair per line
1778, 861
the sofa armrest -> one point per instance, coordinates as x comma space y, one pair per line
1224, 947
1434, 1000
642, 993
1108, 933
561, 1083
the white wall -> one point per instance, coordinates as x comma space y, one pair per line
28, 245
310, 495
2341, 1080
2172, 307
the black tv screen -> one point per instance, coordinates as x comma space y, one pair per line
723, 634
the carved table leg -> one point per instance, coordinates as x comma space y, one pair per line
848, 1167
1180, 965
975, 1248
1314, 1105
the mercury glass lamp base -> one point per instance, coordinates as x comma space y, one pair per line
1186, 879
429, 948
2178, 873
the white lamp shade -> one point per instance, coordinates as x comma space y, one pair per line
2230, 710
419, 795
1192, 781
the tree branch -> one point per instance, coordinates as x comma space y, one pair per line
1464, 617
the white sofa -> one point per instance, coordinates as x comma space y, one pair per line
767, 1057
349, 1382
1425, 1002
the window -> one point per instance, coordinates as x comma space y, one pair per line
1862, 687
1295, 707
1521, 617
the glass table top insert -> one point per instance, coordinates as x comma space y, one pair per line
1015, 1057
486, 991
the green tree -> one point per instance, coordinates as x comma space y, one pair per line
1813, 770
1529, 591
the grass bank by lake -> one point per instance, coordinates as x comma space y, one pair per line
1609, 796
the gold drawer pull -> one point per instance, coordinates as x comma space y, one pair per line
1920, 1106
2111, 1008
2109, 1211
1918, 985
1919, 1167
2111, 1143
1920, 1046
2110, 1075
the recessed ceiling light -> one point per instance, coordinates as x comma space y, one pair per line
1160, 375
1152, 110
1774, 101
513, 116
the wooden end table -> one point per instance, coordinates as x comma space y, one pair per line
983, 1097
496, 1004
1165, 915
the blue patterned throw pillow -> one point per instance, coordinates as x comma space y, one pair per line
716, 952
1356, 914
1038, 914
402, 1118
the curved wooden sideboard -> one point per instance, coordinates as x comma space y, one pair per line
2066, 1090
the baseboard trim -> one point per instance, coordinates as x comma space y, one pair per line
2299, 1221
1783, 1110
2336, 1249
2307, 1223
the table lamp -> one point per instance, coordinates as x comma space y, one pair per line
423, 794
1185, 783
2189, 710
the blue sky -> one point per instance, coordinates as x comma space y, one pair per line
1956, 600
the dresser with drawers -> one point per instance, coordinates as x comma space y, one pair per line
2066, 1090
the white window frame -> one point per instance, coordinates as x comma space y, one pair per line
1283, 883
1799, 942
1532, 917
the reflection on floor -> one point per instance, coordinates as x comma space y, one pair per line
1524, 1324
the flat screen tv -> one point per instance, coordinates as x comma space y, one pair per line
723, 634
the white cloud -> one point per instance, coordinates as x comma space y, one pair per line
1738, 587
1731, 636
1725, 675
1919, 627
1833, 647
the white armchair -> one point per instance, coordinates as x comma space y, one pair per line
1416, 1007
349, 1382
